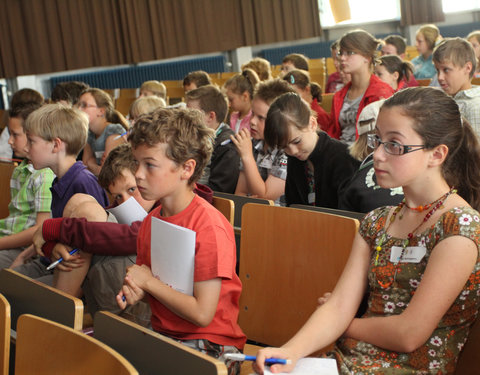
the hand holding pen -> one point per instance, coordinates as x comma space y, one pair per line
60, 260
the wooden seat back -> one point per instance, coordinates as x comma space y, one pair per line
47, 347
28, 296
239, 201
151, 352
288, 258
226, 207
6, 170
466, 364
327, 101
4, 335
333, 211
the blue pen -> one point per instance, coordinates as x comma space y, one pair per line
54, 264
120, 136
268, 361
225, 142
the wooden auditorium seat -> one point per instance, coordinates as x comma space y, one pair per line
28, 296
6, 170
47, 347
226, 207
150, 352
4, 335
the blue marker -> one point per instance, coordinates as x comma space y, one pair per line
268, 361
54, 264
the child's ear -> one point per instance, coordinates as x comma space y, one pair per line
468, 67
439, 155
58, 145
313, 125
101, 111
396, 75
246, 96
188, 169
212, 117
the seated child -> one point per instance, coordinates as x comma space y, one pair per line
153, 88
195, 80
56, 134
68, 92
172, 148
260, 66
455, 61
239, 90
221, 173
145, 104
474, 39
317, 164
84, 225
105, 124
294, 61
420, 259
311, 92
29, 190
263, 170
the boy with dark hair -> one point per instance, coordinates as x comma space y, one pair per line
56, 134
195, 80
294, 61
30, 193
221, 173
455, 61
394, 45
172, 147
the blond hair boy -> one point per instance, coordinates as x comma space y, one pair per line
455, 61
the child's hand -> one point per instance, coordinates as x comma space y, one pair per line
243, 142
259, 364
130, 293
38, 241
139, 275
23, 256
69, 261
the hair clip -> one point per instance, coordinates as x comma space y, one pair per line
292, 79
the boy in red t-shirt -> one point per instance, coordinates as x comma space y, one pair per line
172, 147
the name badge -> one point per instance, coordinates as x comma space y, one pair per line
99, 154
412, 254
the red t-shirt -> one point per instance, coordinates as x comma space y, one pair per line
215, 256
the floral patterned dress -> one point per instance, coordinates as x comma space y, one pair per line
439, 354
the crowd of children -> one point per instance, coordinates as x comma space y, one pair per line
406, 156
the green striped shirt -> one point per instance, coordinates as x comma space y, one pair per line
30, 194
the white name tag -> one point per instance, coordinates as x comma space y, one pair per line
99, 154
412, 254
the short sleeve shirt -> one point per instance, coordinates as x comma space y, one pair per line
30, 194
348, 118
98, 144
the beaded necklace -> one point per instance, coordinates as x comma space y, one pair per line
436, 205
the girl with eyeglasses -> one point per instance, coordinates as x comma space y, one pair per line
420, 258
356, 53
105, 125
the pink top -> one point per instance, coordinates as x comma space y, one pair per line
244, 124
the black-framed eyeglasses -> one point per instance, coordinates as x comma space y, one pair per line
393, 148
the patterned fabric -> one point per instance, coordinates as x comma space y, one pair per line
440, 352
468, 102
30, 194
270, 162
216, 351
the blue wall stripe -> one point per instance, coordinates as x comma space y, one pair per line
133, 77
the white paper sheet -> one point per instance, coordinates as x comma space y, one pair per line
173, 255
128, 212
313, 366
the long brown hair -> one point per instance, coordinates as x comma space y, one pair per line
103, 100
438, 121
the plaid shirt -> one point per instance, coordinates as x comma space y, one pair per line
30, 194
468, 102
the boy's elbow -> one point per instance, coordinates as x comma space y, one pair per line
203, 319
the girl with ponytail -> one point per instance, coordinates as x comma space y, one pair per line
419, 259
239, 90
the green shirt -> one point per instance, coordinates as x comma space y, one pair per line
30, 194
